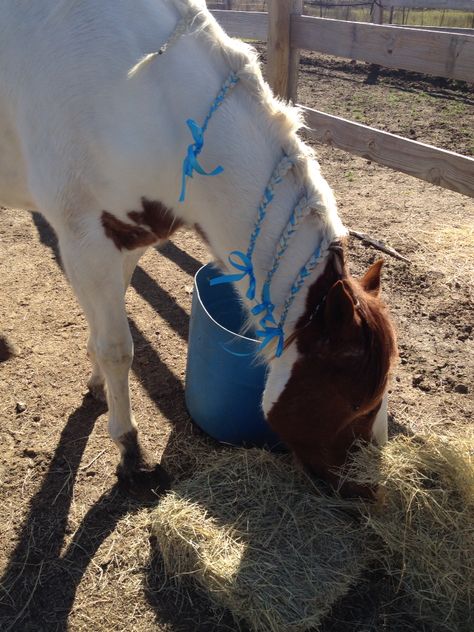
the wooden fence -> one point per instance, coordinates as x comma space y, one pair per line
459, 5
381, 6
450, 55
378, 11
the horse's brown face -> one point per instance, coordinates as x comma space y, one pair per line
338, 379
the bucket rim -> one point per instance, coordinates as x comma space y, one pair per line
229, 331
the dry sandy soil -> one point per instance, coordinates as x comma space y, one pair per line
75, 553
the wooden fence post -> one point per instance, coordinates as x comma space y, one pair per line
282, 59
376, 13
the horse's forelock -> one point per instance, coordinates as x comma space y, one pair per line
375, 358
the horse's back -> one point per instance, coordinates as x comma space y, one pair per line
69, 115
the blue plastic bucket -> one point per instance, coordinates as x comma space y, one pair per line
224, 379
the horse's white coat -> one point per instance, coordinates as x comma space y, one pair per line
78, 137
278, 376
380, 426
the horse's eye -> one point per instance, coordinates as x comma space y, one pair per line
356, 408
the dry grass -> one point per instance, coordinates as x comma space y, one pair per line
425, 524
258, 537
255, 534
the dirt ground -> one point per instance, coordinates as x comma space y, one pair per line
75, 553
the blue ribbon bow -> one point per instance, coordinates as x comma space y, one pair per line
190, 163
266, 305
268, 334
246, 268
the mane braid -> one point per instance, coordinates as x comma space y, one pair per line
284, 122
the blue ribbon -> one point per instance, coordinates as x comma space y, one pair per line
246, 268
268, 334
268, 195
190, 163
266, 305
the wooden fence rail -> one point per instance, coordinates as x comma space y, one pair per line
436, 5
458, 5
438, 166
244, 24
433, 52
443, 29
449, 55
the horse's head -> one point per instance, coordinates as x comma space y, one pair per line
328, 386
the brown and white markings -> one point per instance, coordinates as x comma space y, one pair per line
345, 346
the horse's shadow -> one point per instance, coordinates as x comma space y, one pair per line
38, 587
32, 589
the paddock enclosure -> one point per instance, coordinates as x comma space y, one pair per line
75, 554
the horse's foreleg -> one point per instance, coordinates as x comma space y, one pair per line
130, 260
98, 275
96, 383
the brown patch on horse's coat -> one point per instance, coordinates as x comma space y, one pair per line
346, 346
126, 235
154, 223
157, 217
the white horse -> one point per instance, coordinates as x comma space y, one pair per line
99, 151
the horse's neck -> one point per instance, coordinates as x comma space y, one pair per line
247, 135
240, 138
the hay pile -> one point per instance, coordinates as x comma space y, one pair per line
425, 525
253, 533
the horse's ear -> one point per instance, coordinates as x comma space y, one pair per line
339, 312
371, 279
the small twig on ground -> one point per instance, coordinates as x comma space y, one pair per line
84, 467
378, 245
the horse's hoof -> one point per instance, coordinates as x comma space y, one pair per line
145, 483
7, 349
137, 474
97, 391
